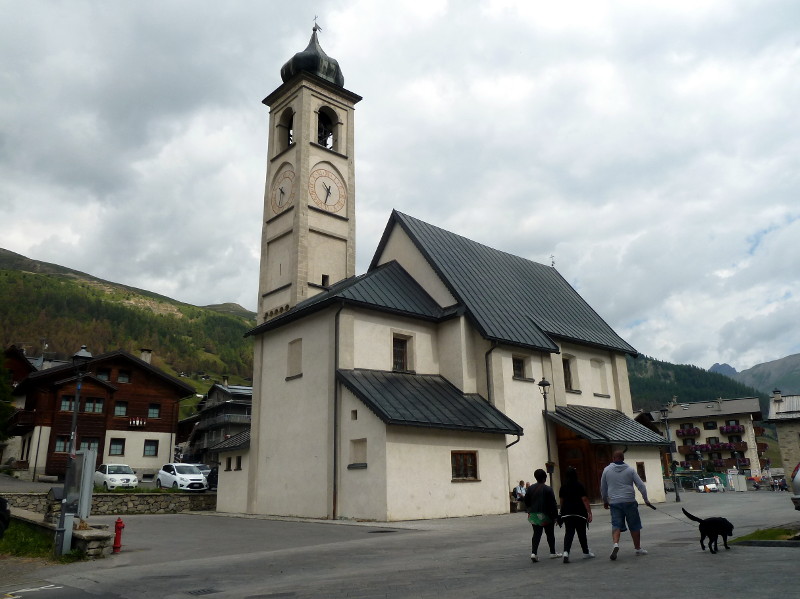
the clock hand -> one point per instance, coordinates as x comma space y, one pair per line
327, 192
283, 193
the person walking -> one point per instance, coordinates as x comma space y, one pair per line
576, 513
540, 502
617, 489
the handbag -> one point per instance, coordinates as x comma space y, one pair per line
539, 519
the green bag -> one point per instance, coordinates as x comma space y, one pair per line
539, 519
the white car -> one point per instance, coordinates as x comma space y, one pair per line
796, 487
113, 476
707, 485
186, 477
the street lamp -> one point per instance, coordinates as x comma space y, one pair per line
665, 419
80, 361
544, 386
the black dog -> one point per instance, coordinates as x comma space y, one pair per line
5, 516
713, 528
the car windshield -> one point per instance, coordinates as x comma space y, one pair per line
708, 481
203, 466
186, 469
120, 470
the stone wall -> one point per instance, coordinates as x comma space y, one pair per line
113, 504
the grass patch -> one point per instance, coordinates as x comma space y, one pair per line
24, 540
768, 534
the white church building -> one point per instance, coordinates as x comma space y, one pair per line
414, 390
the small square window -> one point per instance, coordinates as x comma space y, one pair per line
67, 401
464, 465
104, 374
124, 376
121, 408
567, 366
294, 359
62, 443
93, 405
710, 425
150, 447
641, 471
238, 462
154, 411
116, 447
353, 414
89, 443
228, 462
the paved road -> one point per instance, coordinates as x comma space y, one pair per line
174, 556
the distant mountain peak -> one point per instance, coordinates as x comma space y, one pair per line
725, 369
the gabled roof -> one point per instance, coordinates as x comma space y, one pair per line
787, 409
713, 408
388, 288
237, 441
509, 298
425, 400
58, 373
604, 426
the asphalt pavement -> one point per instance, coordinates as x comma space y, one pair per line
184, 555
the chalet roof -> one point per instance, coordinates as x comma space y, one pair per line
604, 426
388, 288
236, 442
715, 408
509, 298
425, 400
236, 392
787, 409
66, 371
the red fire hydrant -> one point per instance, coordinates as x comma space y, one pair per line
118, 526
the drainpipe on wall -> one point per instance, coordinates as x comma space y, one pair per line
336, 412
489, 383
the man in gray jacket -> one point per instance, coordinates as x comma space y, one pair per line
616, 488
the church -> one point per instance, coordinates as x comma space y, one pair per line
428, 386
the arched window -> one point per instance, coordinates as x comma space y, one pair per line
328, 129
285, 130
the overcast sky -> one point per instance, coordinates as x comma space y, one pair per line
651, 148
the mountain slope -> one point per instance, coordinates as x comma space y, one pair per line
783, 374
64, 308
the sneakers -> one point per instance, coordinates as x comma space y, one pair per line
588, 555
534, 559
555, 555
566, 557
641, 552
614, 552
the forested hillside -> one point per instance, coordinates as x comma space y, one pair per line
653, 383
67, 311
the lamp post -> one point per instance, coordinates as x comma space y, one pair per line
544, 386
80, 361
665, 419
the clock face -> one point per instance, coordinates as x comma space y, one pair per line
327, 190
282, 191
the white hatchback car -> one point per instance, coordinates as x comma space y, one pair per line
113, 476
796, 487
186, 477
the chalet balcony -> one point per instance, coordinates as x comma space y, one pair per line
740, 446
688, 432
762, 447
687, 449
21, 422
732, 429
759, 431
222, 420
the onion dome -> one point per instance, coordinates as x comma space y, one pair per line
313, 60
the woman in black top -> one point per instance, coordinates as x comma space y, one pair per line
576, 512
540, 502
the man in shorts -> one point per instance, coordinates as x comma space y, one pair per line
617, 490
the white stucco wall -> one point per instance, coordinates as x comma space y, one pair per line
134, 450
373, 334
419, 476
37, 459
362, 491
651, 457
295, 423
232, 484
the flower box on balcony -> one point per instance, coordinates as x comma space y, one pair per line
684, 464
719, 462
743, 461
731, 429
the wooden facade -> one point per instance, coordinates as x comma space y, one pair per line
122, 399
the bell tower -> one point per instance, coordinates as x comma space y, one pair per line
308, 232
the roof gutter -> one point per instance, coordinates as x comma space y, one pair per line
336, 385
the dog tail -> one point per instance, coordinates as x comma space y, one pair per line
688, 515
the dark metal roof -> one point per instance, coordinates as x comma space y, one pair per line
509, 298
313, 60
237, 441
425, 400
388, 288
604, 426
